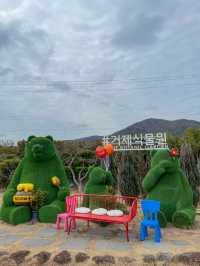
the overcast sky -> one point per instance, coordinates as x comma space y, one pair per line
77, 68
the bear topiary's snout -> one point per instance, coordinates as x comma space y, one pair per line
37, 149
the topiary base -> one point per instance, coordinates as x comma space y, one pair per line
183, 218
19, 215
48, 213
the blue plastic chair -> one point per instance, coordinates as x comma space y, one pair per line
150, 210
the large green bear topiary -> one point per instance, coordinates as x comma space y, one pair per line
40, 163
166, 182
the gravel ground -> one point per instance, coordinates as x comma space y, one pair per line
95, 246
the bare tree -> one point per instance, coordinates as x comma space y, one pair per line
189, 166
78, 173
69, 164
127, 176
198, 164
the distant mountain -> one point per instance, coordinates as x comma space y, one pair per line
153, 125
90, 138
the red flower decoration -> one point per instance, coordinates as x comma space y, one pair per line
174, 152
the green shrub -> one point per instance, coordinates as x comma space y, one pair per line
39, 199
7, 168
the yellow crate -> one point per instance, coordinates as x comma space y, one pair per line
22, 199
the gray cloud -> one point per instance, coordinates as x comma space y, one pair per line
59, 86
139, 31
5, 71
9, 35
23, 48
96, 67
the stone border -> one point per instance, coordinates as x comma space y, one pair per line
64, 257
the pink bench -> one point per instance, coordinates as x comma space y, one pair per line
127, 204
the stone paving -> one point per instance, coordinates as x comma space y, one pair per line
96, 239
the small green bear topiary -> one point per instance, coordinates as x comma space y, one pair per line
40, 163
166, 183
100, 183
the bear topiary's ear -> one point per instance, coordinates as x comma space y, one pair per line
50, 138
152, 153
90, 168
30, 138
